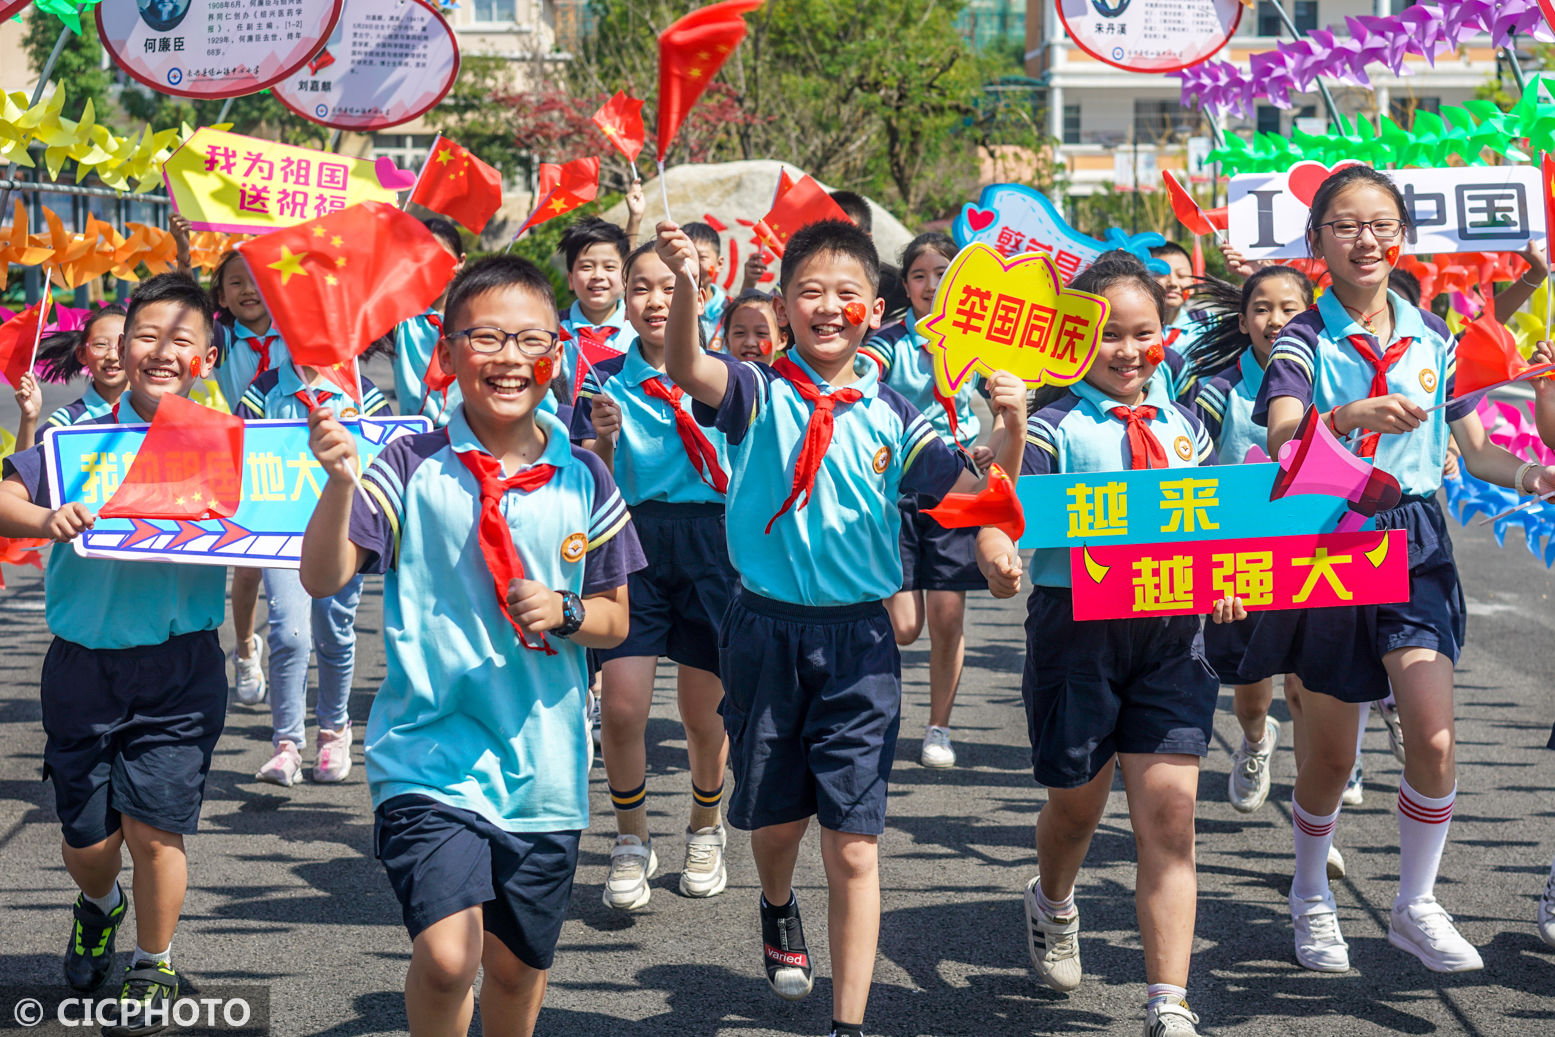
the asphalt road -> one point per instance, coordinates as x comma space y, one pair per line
285, 892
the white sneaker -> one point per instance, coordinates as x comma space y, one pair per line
1171, 1019
250, 673
1547, 910
1425, 930
1354, 795
705, 874
285, 767
632, 864
1054, 943
1249, 783
1388, 711
1319, 945
1336, 868
937, 752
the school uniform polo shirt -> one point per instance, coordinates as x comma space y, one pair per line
1314, 363
90, 405
274, 394
712, 316
103, 603
841, 548
1225, 404
907, 367
1078, 434
651, 463
239, 363
415, 341
467, 715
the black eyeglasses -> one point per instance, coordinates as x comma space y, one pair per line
531, 342
1349, 230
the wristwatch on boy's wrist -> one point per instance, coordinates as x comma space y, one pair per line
572, 614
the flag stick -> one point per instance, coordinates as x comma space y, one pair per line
346, 470
664, 191
1512, 511
1542, 371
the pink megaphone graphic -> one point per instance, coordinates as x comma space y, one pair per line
1314, 461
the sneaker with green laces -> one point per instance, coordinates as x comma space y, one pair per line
146, 1000
90, 954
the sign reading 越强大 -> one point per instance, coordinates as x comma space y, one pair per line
281, 484
228, 182
1324, 570
996, 314
1150, 35
1462, 209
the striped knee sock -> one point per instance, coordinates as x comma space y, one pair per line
1422, 835
1314, 835
706, 807
631, 809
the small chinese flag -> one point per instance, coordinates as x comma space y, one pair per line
19, 338
593, 347
336, 283
802, 204
459, 185
20, 552
189, 466
1488, 356
562, 189
621, 119
997, 505
691, 51
1186, 207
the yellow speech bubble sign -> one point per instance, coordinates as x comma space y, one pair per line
993, 313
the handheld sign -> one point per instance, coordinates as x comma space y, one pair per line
996, 314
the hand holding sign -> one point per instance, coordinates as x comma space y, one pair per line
992, 314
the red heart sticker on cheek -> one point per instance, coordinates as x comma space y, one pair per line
1392, 254
1155, 354
545, 368
855, 312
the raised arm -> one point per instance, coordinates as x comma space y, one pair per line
329, 558
688, 365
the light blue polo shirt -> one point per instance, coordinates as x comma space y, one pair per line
1079, 434
103, 603
1225, 405
274, 395
1314, 362
91, 405
908, 368
467, 715
239, 363
415, 340
574, 319
712, 316
651, 463
841, 548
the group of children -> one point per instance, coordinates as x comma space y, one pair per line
570, 539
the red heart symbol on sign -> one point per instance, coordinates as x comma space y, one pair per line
1307, 177
980, 219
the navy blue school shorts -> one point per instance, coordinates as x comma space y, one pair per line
1100, 687
679, 599
812, 702
130, 732
1338, 651
442, 860
1225, 645
935, 558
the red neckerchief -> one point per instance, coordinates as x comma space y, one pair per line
699, 450
261, 345
1145, 451
496, 537
1363, 344
434, 377
817, 433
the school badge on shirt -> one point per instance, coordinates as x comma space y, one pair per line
1184, 447
574, 547
882, 460
1428, 380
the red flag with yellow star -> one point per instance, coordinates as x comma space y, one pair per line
458, 185
189, 466
562, 189
804, 203
336, 283
621, 120
691, 51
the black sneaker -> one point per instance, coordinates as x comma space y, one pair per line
90, 954
146, 1001
783, 950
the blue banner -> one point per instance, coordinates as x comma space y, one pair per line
281, 484
1161, 505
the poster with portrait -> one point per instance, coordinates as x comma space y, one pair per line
201, 48
387, 62
1150, 35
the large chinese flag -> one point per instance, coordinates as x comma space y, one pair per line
459, 185
563, 188
805, 203
621, 120
19, 339
691, 51
334, 284
1488, 356
189, 466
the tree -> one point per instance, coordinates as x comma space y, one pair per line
80, 67
257, 115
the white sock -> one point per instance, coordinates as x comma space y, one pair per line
1262, 745
163, 957
1314, 835
1055, 908
1157, 994
106, 904
1360, 730
1422, 835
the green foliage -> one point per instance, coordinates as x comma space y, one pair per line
468, 115
257, 115
79, 65
541, 243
